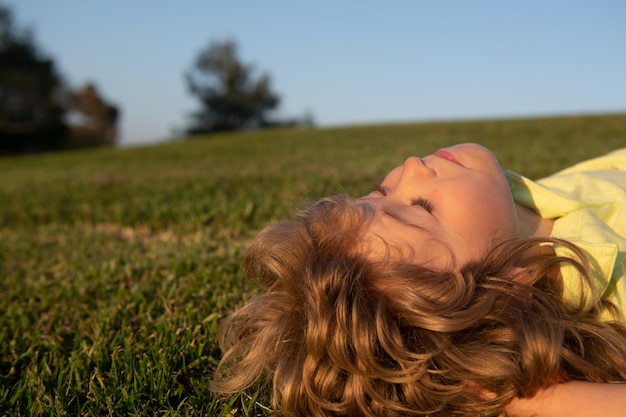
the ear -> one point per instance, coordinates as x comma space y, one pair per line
479, 392
521, 276
518, 274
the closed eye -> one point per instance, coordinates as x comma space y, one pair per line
425, 204
419, 201
379, 188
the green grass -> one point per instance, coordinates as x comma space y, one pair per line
117, 264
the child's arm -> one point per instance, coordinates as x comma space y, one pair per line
573, 399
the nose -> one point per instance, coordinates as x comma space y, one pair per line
415, 168
413, 174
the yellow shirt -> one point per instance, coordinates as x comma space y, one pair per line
588, 203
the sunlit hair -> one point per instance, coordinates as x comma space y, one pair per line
334, 332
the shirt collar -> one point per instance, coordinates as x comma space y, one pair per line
575, 225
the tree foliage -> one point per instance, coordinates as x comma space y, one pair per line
93, 121
35, 102
31, 109
232, 97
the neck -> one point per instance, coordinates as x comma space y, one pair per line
531, 224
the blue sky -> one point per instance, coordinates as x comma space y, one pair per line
345, 62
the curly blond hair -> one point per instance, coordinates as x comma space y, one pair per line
335, 333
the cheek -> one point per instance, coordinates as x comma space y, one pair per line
499, 213
479, 217
486, 210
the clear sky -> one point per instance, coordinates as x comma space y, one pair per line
345, 62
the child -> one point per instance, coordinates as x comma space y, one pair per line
451, 289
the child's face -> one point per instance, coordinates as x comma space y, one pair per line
443, 210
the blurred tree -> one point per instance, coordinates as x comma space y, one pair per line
231, 97
35, 103
31, 93
92, 120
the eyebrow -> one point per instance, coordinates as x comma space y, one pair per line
395, 216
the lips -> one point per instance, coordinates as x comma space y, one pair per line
442, 153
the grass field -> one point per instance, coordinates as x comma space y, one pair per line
117, 264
